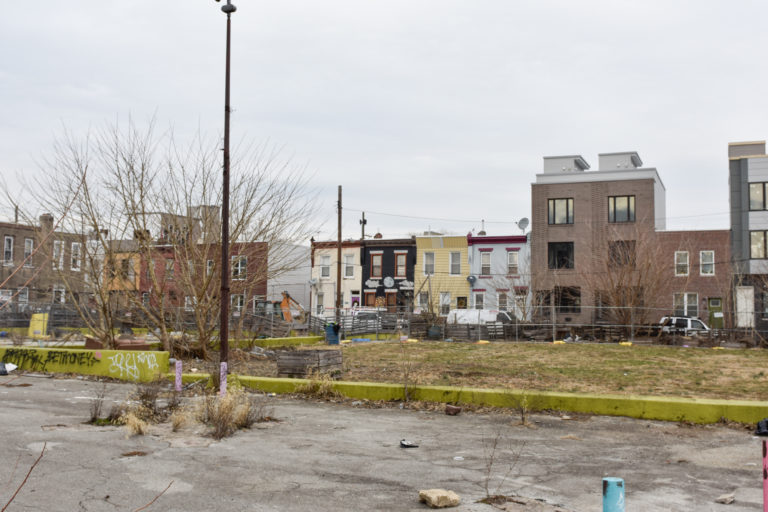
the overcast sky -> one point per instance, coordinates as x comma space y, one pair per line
430, 114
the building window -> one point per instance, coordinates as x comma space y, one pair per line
503, 302
189, 303
429, 263
209, 265
376, 266
560, 255
560, 211
445, 303
707, 263
400, 265
568, 299
424, 300
8, 250
349, 266
75, 256
29, 247
461, 303
23, 296
622, 253
58, 254
512, 263
59, 294
455, 263
757, 245
320, 308
237, 302
145, 299
169, 268
239, 268
757, 196
686, 304
485, 263
479, 300
681, 263
621, 209
325, 266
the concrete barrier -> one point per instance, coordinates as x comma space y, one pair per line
136, 366
693, 410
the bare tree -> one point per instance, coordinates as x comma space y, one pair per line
150, 222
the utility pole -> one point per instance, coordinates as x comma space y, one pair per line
228, 9
338, 265
363, 222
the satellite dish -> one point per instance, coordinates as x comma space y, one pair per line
522, 224
471, 279
312, 282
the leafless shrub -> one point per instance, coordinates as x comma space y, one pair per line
97, 403
226, 414
318, 385
499, 454
136, 425
179, 419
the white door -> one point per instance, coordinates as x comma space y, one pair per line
745, 306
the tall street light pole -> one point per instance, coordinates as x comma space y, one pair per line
228, 9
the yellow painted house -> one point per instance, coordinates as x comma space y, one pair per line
440, 276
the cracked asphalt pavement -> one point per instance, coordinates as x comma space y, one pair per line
327, 456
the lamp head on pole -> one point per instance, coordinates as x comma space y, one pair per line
229, 8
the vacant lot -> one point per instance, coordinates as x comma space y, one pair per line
605, 368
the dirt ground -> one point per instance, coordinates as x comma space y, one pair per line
587, 368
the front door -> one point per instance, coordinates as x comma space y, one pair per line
715, 307
745, 307
392, 302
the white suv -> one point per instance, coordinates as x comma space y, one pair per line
685, 325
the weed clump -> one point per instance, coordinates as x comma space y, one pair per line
319, 385
227, 414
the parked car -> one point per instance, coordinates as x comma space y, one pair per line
685, 325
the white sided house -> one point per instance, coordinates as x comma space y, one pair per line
325, 277
500, 275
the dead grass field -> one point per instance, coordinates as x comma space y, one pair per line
580, 368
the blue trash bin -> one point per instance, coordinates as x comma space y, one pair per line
332, 333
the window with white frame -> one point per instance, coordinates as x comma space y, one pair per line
239, 267
189, 303
479, 300
707, 263
75, 256
237, 302
400, 265
209, 265
485, 263
59, 294
29, 247
58, 254
8, 250
325, 266
169, 268
320, 308
376, 266
521, 299
503, 302
424, 300
455, 261
145, 299
445, 303
429, 263
681, 263
5, 296
349, 266
512, 263
686, 304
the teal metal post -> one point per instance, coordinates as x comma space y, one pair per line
613, 494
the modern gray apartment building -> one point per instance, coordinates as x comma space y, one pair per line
748, 184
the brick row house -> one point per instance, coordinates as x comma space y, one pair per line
40, 266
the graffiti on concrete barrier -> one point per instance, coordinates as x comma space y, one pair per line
130, 364
39, 360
